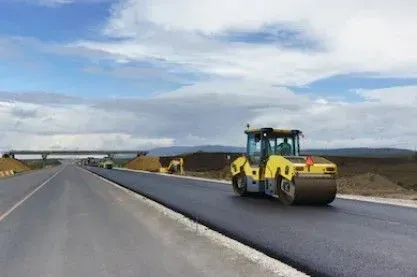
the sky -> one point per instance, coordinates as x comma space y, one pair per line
138, 74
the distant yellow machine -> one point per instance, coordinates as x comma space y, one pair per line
175, 166
273, 166
107, 163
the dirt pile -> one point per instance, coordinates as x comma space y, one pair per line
12, 164
368, 184
147, 163
400, 171
204, 161
193, 162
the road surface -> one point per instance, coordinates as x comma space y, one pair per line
75, 224
349, 238
13, 189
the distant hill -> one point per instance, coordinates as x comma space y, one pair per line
345, 152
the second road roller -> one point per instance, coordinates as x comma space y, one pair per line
273, 166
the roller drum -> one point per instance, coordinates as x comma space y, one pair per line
310, 190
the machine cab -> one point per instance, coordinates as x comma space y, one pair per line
265, 142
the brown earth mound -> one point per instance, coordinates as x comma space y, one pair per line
201, 161
369, 184
194, 162
147, 163
12, 164
400, 171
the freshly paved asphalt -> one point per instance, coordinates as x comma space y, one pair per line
79, 225
348, 238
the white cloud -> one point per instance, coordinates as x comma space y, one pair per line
206, 113
403, 96
265, 63
70, 126
143, 73
247, 79
353, 36
96, 141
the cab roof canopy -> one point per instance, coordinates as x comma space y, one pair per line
272, 131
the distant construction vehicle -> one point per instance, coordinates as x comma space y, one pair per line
175, 166
273, 166
106, 163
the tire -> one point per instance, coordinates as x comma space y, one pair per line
240, 185
283, 197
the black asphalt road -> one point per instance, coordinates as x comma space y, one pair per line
79, 225
348, 238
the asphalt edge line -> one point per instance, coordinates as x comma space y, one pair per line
20, 202
378, 200
219, 181
269, 263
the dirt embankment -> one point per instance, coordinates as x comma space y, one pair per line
203, 162
147, 163
193, 162
18, 166
386, 177
370, 184
401, 171
13, 164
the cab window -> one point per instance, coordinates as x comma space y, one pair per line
284, 146
254, 148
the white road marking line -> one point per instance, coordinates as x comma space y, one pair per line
274, 265
15, 206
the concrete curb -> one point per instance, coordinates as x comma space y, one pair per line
370, 199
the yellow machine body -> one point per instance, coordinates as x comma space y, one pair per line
292, 178
175, 166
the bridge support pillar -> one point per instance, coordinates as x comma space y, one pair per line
44, 157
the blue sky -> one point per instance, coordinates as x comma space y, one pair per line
62, 23
160, 73
344, 84
37, 69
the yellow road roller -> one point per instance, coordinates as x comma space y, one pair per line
273, 166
